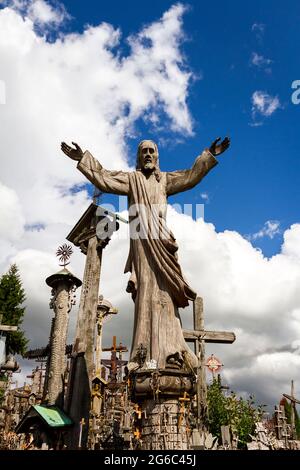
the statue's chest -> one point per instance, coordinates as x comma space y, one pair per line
156, 190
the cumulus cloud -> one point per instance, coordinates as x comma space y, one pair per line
256, 297
80, 87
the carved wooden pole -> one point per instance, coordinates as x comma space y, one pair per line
92, 239
85, 330
201, 376
63, 286
85, 235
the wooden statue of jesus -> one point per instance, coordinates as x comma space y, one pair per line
156, 282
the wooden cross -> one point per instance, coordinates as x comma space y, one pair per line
182, 401
81, 424
199, 336
121, 348
138, 411
293, 401
114, 363
184, 398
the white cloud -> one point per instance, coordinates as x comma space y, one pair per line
43, 13
11, 218
205, 196
2, 92
256, 297
264, 104
40, 12
258, 29
291, 247
270, 229
260, 61
80, 88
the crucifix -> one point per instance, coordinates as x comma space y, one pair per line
293, 401
114, 363
104, 309
199, 336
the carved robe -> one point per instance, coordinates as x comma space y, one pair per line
156, 281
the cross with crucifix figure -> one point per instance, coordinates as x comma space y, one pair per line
199, 336
293, 401
114, 363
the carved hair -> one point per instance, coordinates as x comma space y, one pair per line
138, 159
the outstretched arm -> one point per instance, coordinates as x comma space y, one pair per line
116, 182
178, 181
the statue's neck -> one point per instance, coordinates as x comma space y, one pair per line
148, 173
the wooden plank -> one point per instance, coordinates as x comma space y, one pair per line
198, 314
290, 397
199, 344
209, 336
8, 328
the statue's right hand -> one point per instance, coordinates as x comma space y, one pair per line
74, 153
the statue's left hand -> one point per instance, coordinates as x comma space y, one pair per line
218, 148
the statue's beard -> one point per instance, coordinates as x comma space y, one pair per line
149, 166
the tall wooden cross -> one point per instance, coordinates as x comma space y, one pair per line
199, 336
293, 401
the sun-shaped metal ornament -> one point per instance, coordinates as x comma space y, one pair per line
64, 253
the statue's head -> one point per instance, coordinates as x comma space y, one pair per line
147, 156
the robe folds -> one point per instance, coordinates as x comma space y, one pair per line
156, 282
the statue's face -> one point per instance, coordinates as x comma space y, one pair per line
148, 156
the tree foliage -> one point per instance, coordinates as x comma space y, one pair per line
241, 415
12, 297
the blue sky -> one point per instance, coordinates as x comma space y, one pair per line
257, 180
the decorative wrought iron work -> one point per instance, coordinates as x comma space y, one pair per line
64, 253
